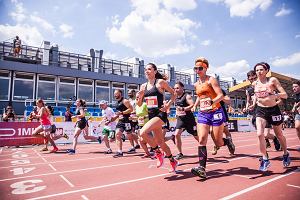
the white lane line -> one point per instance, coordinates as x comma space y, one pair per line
258, 185
295, 186
65, 179
52, 167
132, 181
84, 197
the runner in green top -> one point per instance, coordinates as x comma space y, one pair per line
142, 117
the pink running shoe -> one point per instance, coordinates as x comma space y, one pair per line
174, 165
160, 158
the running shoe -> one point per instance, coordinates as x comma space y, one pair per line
137, 146
230, 146
268, 145
264, 165
286, 160
54, 150
66, 136
174, 165
131, 150
215, 150
179, 156
44, 149
71, 151
146, 156
108, 151
277, 144
160, 158
199, 171
118, 154
99, 139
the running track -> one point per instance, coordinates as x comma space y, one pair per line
27, 173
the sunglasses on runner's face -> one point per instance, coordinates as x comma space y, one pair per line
198, 68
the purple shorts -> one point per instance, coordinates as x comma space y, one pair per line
214, 118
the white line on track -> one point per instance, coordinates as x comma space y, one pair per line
142, 179
1, 150
84, 197
258, 185
67, 181
295, 186
52, 167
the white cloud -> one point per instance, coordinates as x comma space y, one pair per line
43, 23
283, 11
297, 36
88, 5
236, 69
66, 30
151, 30
250, 41
180, 4
56, 8
206, 42
290, 60
19, 14
244, 8
28, 34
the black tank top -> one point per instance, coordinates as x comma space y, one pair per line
121, 107
181, 101
154, 92
77, 112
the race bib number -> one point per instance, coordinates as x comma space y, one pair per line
276, 118
205, 104
218, 116
141, 121
127, 126
180, 112
151, 102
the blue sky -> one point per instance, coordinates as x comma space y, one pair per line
233, 35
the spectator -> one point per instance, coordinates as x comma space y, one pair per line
32, 117
9, 114
68, 115
17, 46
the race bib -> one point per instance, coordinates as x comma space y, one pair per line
218, 116
151, 102
127, 126
205, 104
141, 121
133, 117
276, 118
180, 112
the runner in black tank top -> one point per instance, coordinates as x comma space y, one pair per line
124, 108
153, 93
185, 118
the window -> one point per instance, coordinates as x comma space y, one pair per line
23, 86
86, 90
5, 85
46, 87
66, 90
102, 91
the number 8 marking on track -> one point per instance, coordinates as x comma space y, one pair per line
25, 187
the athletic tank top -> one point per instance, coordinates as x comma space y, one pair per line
206, 94
77, 112
45, 119
153, 97
264, 91
181, 101
121, 107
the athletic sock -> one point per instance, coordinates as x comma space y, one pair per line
202, 153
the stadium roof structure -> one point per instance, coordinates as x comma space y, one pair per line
285, 81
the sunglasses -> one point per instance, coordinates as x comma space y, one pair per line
198, 68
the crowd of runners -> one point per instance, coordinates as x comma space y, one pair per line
142, 118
